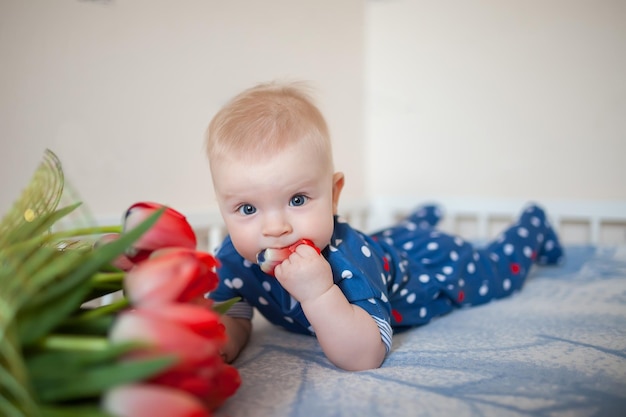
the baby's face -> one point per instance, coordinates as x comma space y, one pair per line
275, 201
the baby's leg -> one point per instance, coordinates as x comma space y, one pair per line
531, 239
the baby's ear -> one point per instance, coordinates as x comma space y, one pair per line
338, 181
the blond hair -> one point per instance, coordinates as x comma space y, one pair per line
266, 118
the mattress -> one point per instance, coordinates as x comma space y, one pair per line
556, 348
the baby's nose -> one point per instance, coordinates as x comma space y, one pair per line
276, 225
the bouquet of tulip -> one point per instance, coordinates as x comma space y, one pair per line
155, 351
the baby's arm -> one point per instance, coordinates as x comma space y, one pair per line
348, 335
238, 332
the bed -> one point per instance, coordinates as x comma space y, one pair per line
557, 348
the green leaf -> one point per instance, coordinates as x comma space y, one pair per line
73, 411
46, 363
34, 323
92, 382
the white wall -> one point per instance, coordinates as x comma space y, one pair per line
521, 99
123, 90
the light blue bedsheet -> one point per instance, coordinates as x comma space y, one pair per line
557, 348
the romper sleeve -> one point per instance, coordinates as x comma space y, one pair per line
231, 270
359, 271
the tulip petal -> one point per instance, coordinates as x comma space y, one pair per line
164, 337
145, 400
199, 320
175, 276
171, 229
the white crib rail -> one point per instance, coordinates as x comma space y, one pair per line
593, 222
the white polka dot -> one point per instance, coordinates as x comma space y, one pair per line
450, 287
247, 263
426, 261
471, 267
237, 283
411, 298
476, 256
383, 278
454, 256
411, 226
266, 286
432, 246
540, 237
389, 241
535, 221
424, 278
494, 257
332, 248
347, 274
508, 249
440, 277
404, 292
263, 301
461, 282
528, 252
338, 242
310, 328
483, 290
407, 246
395, 287
423, 312
371, 301
424, 224
289, 319
447, 270
458, 241
522, 232
383, 297
366, 251
228, 283
549, 244
506, 284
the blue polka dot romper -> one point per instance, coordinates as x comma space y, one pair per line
403, 276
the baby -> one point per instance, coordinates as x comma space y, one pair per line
271, 162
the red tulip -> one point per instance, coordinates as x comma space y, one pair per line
170, 230
191, 333
171, 275
163, 336
147, 400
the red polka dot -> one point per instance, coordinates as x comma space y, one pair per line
515, 268
386, 264
461, 296
397, 316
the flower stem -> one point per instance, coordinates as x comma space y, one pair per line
67, 342
108, 278
114, 307
88, 231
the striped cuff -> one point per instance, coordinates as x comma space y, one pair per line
385, 332
240, 310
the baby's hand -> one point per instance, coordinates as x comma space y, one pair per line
305, 274
269, 258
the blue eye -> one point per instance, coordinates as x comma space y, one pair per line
246, 209
298, 200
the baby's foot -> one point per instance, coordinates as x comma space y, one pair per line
270, 258
550, 249
426, 216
